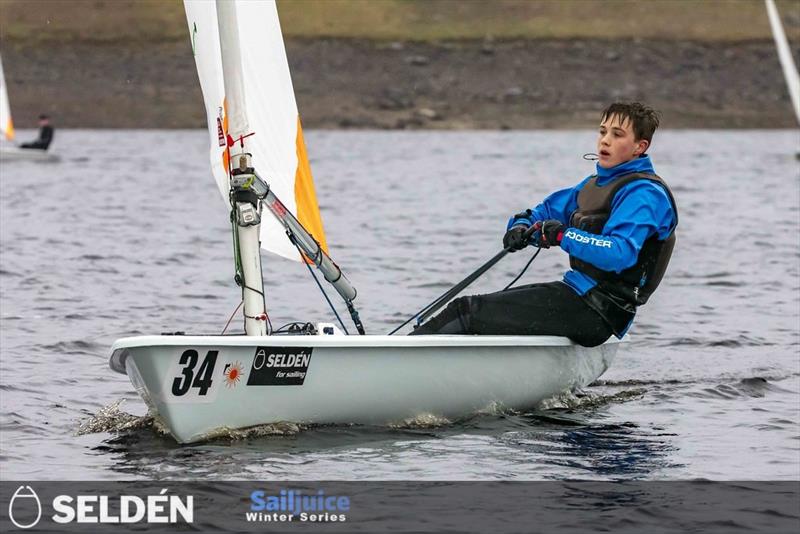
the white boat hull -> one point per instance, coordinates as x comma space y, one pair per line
346, 379
14, 153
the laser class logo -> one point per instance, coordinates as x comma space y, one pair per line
24, 505
292, 505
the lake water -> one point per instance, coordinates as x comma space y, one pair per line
127, 235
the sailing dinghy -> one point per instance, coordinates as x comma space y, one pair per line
8, 148
200, 385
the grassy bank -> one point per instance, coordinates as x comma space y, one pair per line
445, 64
412, 20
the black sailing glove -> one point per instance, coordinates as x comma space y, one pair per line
548, 233
516, 238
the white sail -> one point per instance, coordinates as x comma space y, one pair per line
266, 89
6, 124
785, 56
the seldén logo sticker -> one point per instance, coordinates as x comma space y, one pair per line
279, 366
22, 504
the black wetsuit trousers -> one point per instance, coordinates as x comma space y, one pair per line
44, 140
551, 308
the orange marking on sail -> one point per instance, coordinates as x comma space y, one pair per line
225, 151
305, 195
9, 130
225, 114
225, 159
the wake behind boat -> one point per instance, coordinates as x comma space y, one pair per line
199, 384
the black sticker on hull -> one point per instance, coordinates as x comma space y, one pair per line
279, 366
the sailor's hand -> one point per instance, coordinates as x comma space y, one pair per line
516, 238
548, 233
523, 217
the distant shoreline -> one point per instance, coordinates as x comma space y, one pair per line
360, 84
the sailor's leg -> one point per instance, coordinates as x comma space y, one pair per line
33, 144
538, 309
552, 309
449, 321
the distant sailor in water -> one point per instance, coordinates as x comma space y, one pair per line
45, 135
618, 227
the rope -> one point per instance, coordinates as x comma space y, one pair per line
231, 317
514, 281
449, 294
322, 289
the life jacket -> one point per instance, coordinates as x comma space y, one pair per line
635, 284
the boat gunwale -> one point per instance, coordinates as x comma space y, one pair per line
119, 349
333, 341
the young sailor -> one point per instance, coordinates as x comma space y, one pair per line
618, 227
45, 135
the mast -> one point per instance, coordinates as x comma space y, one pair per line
245, 213
785, 56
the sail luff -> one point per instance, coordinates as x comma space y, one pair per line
785, 55
232, 68
248, 235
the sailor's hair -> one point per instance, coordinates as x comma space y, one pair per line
645, 119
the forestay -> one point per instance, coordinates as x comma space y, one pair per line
278, 147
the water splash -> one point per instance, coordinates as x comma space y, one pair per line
111, 419
283, 428
582, 400
423, 420
497, 409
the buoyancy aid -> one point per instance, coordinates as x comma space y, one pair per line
634, 285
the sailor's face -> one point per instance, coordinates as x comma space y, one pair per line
617, 142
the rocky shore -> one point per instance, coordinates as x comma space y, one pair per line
347, 83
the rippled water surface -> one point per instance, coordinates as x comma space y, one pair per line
127, 235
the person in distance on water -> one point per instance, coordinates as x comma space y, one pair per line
618, 227
45, 135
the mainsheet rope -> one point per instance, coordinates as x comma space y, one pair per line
439, 299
